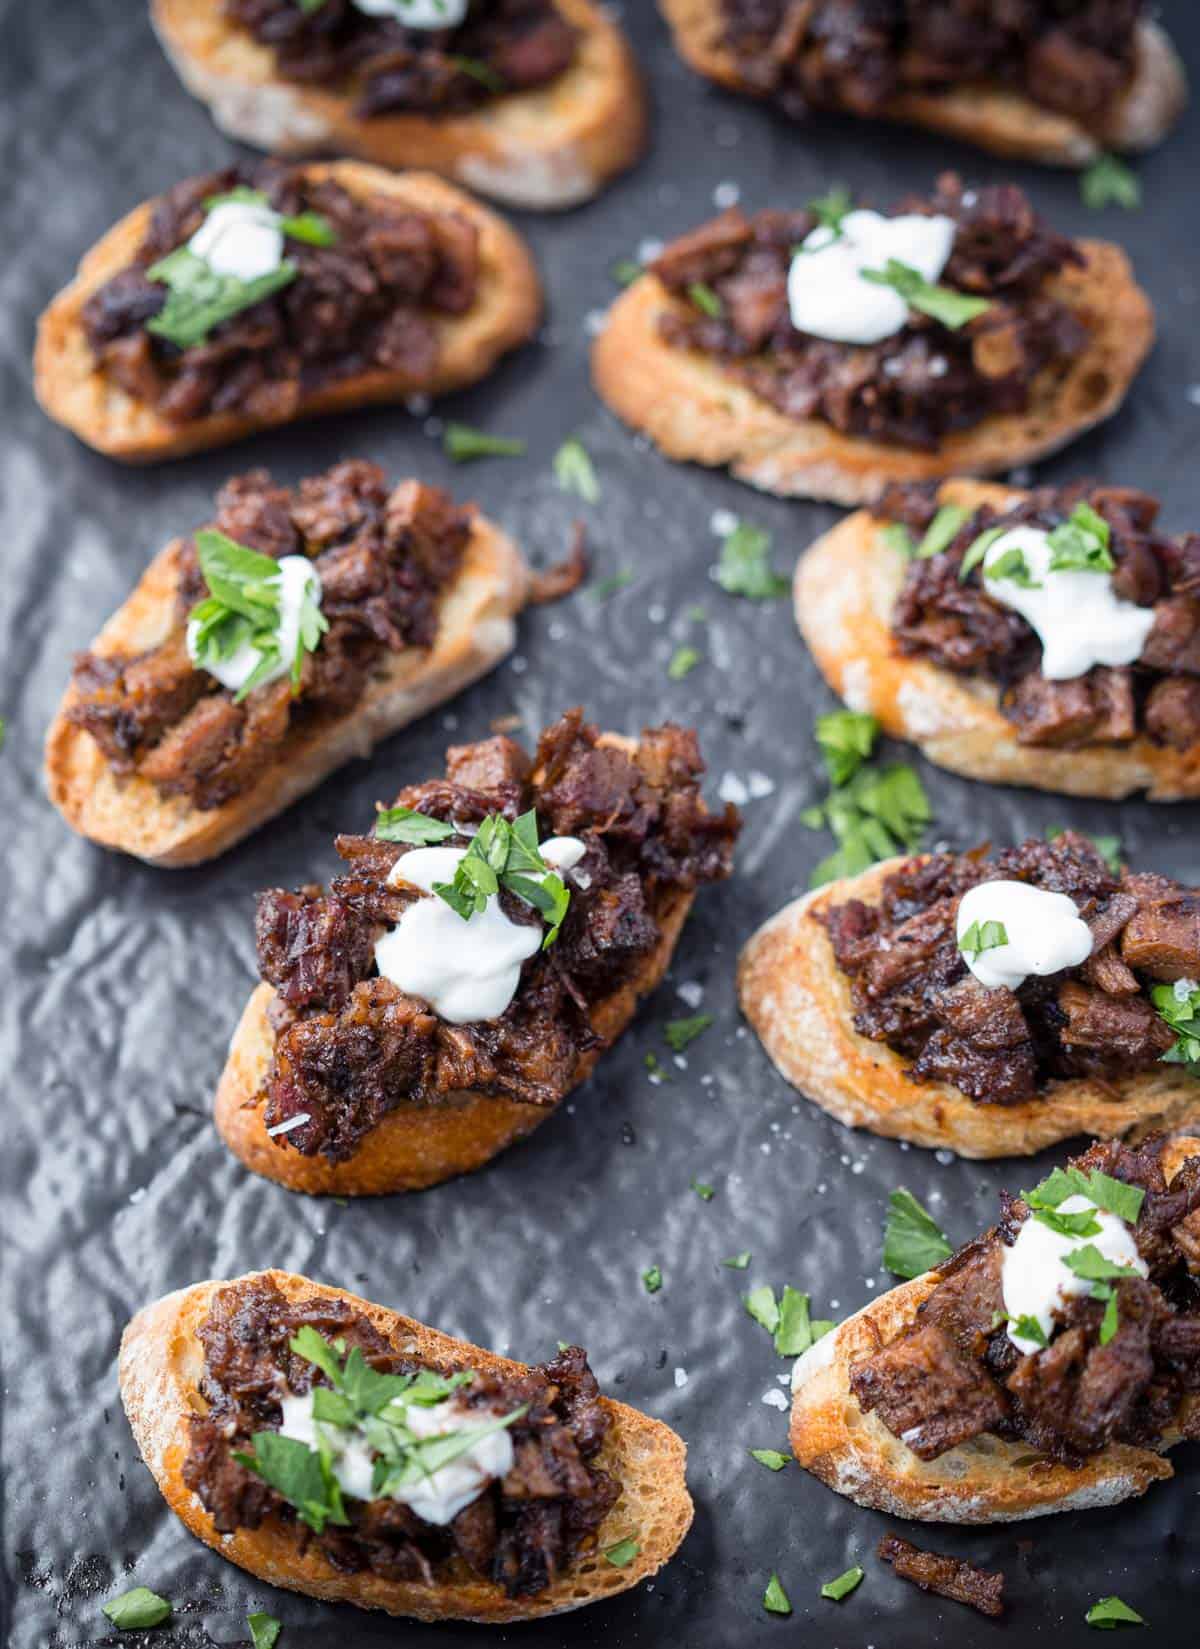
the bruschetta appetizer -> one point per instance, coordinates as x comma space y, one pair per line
1047, 638
537, 103
481, 949
1059, 84
252, 297
267, 649
992, 1006
826, 351
1046, 1367
333, 1447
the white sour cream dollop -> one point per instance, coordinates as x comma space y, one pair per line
1036, 1282
466, 970
418, 14
1045, 932
827, 295
1079, 619
240, 238
437, 1498
296, 576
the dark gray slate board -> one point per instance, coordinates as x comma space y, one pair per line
123, 983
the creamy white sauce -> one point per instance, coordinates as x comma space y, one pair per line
826, 293
1079, 619
437, 1498
240, 238
418, 14
1045, 932
466, 970
295, 577
1034, 1279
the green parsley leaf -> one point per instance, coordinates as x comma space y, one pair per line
3, 731
981, 936
745, 565
239, 578
775, 1598
913, 1242
843, 1585
846, 739
405, 824
652, 1279
679, 1032
316, 1349
1012, 566
1179, 1005
609, 586
1109, 182
770, 1458
422, 1458
829, 209
1101, 1190
793, 1336
1110, 1322
821, 1326
310, 6
198, 299
482, 72
880, 812
462, 444
738, 1262
953, 309
502, 853
896, 536
575, 472
1108, 847
264, 1630
309, 227
301, 1475
942, 530
1029, 1329
134, 1611
1110, 1612
1083, 1224
623, 1553
706, 300
683, 661
627, 270
705, 1192
977, 549
760, 1304
1090, 1264
655, 1068
1081, 543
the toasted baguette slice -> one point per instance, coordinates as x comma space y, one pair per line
993, 117
160, 1366
476, 629
988, 1480
692, 409
74, 392
547, 148
798, 1001
845, 590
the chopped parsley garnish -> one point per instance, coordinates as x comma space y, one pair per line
706, 1193
1109, 182
770, 1458
309, 227
1027, 1328
761, 1304
244, 607
623, 1553
881, 811
506, 855
706, 300
775, 1598
626, 270
829, 209
405, 824
1108, 847
655, 1068
679, 1032
942, 530
913, 1242
683, 661
575, 472
745, 565
134, 1611
1110, 1612
462, 444
977, 549
482, 72
1080, 544
843, 1585
981, 936
793, 1336
1094, 1267
896, 536
264, 1629
738, 1262
942, 303
1082, 1224
1100, 1189
609, 586
846, 738
1179, 1005
198, 299
652, 1279
1012, 566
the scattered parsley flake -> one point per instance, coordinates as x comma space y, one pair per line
843, 1585
135, 1610
655, 1067
626, 270
623, 1553
846, 739
706, 1193
405, 824
793, 1336
775, 1598
575, 472
680, 1032
760, 1304
1110, 182
745, 565
738, 1262
706, 300
942, 303
913, 1243
264, 1629
1110, 1612
609, 586
683, 661
982, 936
652, 1279
480, 71
830, 208
462, 444
770, 1458
977, 550
942, 530
896, 536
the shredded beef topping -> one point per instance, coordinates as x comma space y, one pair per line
522, 1532
912, 989
1074, 56
370, 302
352, 1047
384, 559
954, 623
926, 381
950, 1577
954, 1373
502, 46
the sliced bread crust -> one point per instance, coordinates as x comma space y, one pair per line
74, 392
548, 148
160, 1366
798, 1001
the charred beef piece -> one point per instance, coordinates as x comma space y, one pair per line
914, 388
384, 558
351, 1047
371, 300
911, 988
950, 1577
927, 1392
522, 1532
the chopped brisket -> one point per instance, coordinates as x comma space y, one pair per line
950, 1577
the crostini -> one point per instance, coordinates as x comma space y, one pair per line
333, 1447
480, 951
1047, 638
258, 655
1045, 1367
254, 296
537, 103
1057, 84
824, 352
989, 1006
